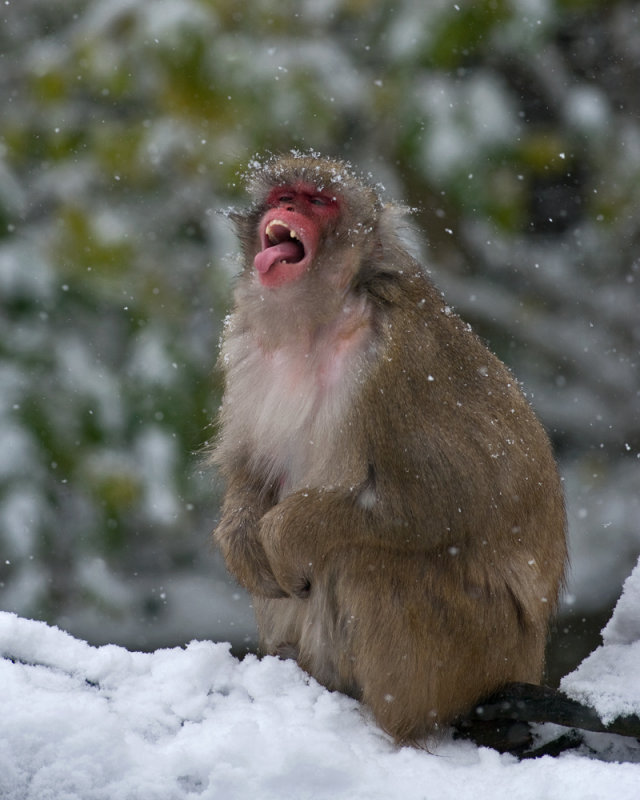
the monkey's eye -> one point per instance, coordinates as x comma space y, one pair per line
319, 201
285, 198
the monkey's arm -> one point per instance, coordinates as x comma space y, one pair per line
300, 534
237, 536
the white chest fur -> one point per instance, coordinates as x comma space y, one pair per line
287, 406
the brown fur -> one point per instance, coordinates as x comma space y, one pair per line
392, 502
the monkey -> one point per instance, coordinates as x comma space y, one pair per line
392, 503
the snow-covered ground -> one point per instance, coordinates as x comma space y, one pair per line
87, 723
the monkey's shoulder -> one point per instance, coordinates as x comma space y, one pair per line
408, 301
435, 376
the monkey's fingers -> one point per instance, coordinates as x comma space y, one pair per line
291, 566
246, 559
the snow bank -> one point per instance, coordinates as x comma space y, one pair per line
87, 723
609, 679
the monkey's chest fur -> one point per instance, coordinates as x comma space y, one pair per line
289, 406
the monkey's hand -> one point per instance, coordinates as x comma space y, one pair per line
297, 535
237, 535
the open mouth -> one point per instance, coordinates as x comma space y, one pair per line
280, 243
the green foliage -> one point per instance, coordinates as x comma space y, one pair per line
462, 37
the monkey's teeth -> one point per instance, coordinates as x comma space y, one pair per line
274, 236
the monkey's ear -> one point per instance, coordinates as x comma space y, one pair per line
395, 216
394, 225
234, 214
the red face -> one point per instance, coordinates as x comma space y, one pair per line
290, 231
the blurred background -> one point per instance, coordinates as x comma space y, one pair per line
511, 126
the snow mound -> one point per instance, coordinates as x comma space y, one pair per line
609, 678
86, 723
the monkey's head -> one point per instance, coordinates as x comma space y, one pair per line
309, 214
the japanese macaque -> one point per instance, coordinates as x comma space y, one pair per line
392, 503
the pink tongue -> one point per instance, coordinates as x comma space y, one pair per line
286, 251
